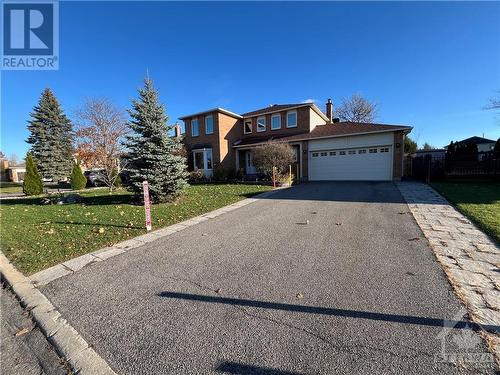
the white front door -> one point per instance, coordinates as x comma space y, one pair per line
249, 167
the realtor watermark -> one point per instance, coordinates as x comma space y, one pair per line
461, 345
30, 35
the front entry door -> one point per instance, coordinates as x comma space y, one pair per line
249, 167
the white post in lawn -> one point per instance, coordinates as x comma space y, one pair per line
147, 206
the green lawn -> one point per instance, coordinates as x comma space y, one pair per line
479, 201
35, 236
11, 187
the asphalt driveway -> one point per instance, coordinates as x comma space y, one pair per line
322, 278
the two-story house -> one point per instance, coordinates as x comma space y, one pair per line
325, 149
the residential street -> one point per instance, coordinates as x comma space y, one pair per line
24, 349
321, 278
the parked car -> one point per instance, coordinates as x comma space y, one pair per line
94, 178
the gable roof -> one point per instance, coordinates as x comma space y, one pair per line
337, 129
476, 140
218, 109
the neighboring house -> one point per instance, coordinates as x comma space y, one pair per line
324, 149
483, 144
435, 153
12, 173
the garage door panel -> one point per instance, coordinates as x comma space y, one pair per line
356, 164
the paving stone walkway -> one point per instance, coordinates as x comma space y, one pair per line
468, 256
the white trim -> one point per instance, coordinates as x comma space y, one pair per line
296, 119
197, 126
274, 116
207, 117
204, 151
265, 124
245, 126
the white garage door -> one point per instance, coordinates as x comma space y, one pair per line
373, 163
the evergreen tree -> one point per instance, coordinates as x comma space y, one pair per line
77, 179
32, 184
152, 155
51, 138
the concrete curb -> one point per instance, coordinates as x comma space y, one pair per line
67, 341
76, 264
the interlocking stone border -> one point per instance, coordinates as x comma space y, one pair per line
76, 264
82, 359
470, 259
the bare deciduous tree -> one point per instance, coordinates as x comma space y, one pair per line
272, 154
100, 130
357, 109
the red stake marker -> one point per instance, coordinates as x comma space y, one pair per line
147, 206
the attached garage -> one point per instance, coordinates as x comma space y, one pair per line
360, 157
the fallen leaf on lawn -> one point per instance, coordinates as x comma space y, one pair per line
23, 331
50, 231
101, 230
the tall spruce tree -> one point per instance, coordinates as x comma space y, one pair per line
51, 138
152, 155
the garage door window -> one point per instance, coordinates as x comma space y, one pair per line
324, 153
315, 154
352, 152
373, 151
385, 149
362, 152
333, 153
341, 152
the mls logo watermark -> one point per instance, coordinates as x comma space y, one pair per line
30, 35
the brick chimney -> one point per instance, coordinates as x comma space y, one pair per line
329, 110
177, 130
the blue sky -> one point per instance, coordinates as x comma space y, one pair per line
429, 65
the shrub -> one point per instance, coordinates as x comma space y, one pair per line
197, 177
273, 154
32, 184
77, 178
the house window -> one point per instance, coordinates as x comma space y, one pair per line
209, 124
291, 119
341, 152
373, 151
352, 152
202, 160
195, 128
276, 122
247, 126
261, 124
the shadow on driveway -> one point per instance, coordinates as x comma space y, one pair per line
405, 319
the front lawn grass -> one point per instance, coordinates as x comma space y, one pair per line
35, 236
479, 201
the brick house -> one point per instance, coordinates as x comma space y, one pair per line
325, 148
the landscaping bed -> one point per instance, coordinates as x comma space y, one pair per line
36, 236
479, 201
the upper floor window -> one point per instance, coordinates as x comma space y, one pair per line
291, 119
247, 126
195, 128
261, 124
276, 122
209, 124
